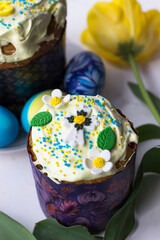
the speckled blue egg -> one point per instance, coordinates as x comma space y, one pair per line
85, 74
9, 127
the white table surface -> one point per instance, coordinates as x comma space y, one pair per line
18, 196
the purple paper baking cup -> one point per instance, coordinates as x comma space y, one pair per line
18, 84
90, 205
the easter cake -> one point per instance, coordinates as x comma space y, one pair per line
82, 153
32, 48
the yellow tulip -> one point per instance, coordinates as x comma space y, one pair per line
121, 27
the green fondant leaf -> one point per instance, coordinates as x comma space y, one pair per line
106, 139
78, 126
41, 119
70, 119
81, 113
87, 121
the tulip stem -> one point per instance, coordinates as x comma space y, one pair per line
142, 88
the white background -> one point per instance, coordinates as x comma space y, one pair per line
18, 196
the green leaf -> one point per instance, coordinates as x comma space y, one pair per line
82, 112
147, 132
78, 126
12, 230
41, 119
151, 160
70, 119
50, 229
87, 121
106, 139
136, 91
122, 223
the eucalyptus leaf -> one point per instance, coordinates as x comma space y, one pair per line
50, 229
122, 223
148, 132
12, 230
136, 91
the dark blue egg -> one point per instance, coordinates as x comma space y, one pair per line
85, 74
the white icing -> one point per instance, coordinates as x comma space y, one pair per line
63, 162
76, 137
27, 26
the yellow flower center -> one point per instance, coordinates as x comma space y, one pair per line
79, 119
55, 101
5, 8
99, 162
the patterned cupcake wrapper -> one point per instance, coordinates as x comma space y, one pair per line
17, 85
90, 205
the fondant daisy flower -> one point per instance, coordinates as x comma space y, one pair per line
56, 99
78, 123
98, 162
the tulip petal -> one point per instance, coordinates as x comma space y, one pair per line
115, 25
133, 16
88, 40
151, 39
98, 21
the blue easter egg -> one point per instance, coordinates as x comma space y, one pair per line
31, 107
9, 127
85, 74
